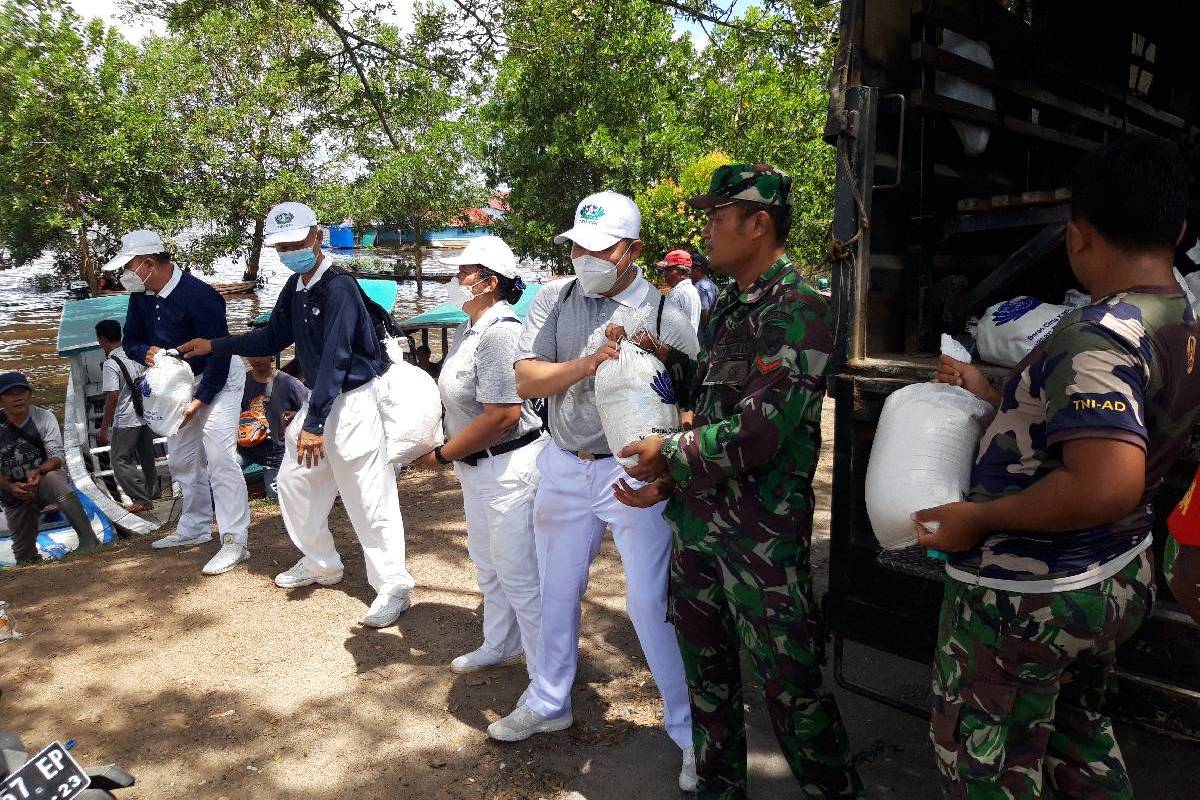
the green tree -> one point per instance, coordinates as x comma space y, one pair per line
239, 84
761, 96
587, 97
87, 147
668, 223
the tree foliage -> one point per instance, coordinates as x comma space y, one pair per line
87, 148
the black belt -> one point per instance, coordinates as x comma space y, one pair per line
501, 449
588, 455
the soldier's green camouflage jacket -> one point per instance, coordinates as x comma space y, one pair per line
742, 520
757, 396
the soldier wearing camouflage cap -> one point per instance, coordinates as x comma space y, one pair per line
741, 497
1050, 569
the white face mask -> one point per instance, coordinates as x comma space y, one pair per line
131, 282
460, 295
597, 275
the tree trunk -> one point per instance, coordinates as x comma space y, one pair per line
417, 254
256, 244
87, 263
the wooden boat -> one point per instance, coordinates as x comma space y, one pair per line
87, 461
234, 289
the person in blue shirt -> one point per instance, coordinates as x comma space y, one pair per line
338, 445
167, 307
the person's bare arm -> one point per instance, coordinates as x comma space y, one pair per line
537, 378
1100, 481
110, 410
483, 431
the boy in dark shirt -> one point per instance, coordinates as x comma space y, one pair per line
282, 396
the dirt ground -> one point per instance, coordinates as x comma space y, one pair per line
228, 687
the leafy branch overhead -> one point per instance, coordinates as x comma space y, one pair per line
405, 120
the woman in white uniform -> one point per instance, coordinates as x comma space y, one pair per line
494, 441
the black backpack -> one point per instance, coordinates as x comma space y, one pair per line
382, 321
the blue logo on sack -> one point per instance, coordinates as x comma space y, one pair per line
1014, 309
663, 387
144, 387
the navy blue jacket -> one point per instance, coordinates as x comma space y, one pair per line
192, 310
335, 342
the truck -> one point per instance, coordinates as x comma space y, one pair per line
956, 124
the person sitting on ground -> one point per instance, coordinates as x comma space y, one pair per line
677, 270
130, 439
31, 475
425, 362
269, 403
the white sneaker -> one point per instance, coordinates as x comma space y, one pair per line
481, 659
175, 540
302, 575
524, 722
386, 609
229, 556
689, 781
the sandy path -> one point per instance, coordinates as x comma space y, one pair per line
228, 687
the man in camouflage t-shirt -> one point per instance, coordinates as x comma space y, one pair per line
741, 498
1050, 569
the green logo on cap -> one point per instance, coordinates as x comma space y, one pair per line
283, 218
591, 212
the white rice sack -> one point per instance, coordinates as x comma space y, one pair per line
635, 398
1010, 330
166, 389
411, 410
922, 456
974, 137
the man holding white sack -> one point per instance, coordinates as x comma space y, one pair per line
741, 498
167, 307
336, 443
562, 345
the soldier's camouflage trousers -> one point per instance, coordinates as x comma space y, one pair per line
1181, 566
1019, 687
732, 593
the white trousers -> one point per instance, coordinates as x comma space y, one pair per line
574, 503
498, 497
355, 465
202, 456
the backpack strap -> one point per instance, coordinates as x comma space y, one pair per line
662, 301
570, 289
381, 319
134, 394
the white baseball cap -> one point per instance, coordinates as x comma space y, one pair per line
602, 220
288, 222
490, 252
135, 243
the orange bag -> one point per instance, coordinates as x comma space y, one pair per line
1184, 522
253, 427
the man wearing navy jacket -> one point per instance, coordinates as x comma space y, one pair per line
168, 307
336, 442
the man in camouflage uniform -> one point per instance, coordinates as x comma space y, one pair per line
741, 498
1051, 569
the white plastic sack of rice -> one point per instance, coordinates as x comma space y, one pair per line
924, 448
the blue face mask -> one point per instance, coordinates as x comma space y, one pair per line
299, 260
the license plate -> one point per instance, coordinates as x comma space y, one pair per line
50, 775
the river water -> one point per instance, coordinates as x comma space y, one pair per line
29, 318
